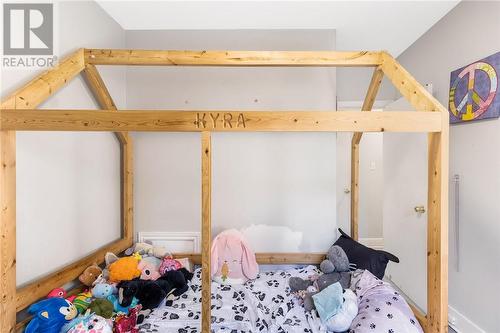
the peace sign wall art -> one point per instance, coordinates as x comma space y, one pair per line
475, 91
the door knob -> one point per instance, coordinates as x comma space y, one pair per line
420, 209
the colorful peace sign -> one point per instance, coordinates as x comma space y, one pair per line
471, 97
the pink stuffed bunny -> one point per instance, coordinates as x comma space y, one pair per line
233, 262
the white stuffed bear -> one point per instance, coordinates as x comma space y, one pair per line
341, 321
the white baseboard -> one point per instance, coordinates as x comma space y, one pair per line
174, 242
374, 243
460, 323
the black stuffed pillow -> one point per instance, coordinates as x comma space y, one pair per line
364, 257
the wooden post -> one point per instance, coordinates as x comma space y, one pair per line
206, 238
7, 231
437, 231
103, 97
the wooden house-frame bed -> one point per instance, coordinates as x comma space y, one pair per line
18, 113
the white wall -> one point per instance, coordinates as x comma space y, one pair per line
474, 155
285, 181
68, 194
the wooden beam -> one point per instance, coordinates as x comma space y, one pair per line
422, 319
370, 97
101, 94
206, 227
354, 190
405, 83
239, 121
43, 86
103, 97
29, 96
7, 231
231, 58
437, 231
40, 288
270, 258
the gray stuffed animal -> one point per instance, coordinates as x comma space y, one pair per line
335, 268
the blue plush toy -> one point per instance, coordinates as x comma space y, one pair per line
50, 315
124, 309
103, 290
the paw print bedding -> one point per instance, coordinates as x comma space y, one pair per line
263, 305
381, 308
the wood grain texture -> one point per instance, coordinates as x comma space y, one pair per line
422, 319
206, 229
270, 258
43, 86
406, 84
437, 232
354, 190
231, 58
7, 231
182, 121
101, 94
32, 292
370, 97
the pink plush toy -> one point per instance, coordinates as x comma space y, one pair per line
61, 293
233, 262
169, 264
149, 267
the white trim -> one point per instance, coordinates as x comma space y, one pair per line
374, 243
165, 238
460, 323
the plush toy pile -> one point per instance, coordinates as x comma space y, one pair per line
117, 297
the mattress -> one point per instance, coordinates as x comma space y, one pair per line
261, 305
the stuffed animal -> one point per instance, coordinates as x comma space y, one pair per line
50, 315
122, 269
103, 290
90, 274
127, 324
147, 249
61, 293
149, 267
342, 320
151, 293
335, 268
118, 308
82, 301
102, 307
233, 262
91, 323
169, 264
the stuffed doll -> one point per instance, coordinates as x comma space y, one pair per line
91, 323
102, 307
122, 269
335, 268
127, 323
168, 263
342, 320
103, 290
118, 308
61, 293
50, 315
90, 274
82, 301
152, 293
233, 262
147, 249
150, 268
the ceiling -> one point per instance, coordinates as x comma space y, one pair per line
360, 25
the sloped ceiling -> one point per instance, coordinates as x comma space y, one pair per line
360, 25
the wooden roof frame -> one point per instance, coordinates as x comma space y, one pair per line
18, 113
